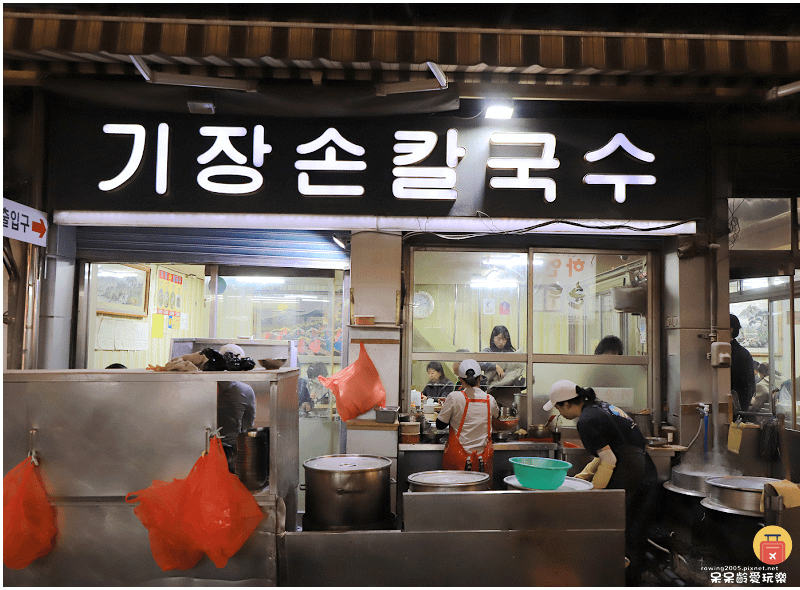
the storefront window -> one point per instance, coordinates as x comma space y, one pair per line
759, 224
460, 297
136, 331
304, 309
579, 298
544, 303
763, 308
622, 385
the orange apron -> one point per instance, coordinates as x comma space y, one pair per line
457, 458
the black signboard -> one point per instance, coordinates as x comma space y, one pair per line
427, 165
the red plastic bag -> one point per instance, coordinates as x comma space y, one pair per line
29, 520
220, 512
210, 511
357, 388
159, 510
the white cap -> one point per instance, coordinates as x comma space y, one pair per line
467, 365
561, 391
234, 348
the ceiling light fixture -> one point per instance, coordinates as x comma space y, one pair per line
415, 85
500, 109
350, 223
195, 81
201, 107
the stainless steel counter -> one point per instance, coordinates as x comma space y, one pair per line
517, 537
103, 434
413, 458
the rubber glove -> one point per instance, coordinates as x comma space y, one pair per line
603, 475
590, 469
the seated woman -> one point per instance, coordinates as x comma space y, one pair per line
503, 380
500, 341
761, 398
438, 385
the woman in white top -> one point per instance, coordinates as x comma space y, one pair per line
468, 412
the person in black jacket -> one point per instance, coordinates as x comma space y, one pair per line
621, 461
438, 385
743, 380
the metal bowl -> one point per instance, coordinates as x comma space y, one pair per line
656, 441
272, 363
539, 431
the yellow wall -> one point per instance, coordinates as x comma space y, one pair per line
193, 323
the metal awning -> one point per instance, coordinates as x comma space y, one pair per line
70, 44
243, 246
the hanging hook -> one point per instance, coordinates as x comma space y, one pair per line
32, 446
209, 434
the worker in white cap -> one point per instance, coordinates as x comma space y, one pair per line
621, 461
468, 412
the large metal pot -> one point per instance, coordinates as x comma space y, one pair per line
739, 495
690, 480
448, 481
347, 490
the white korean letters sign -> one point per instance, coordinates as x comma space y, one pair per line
24, 223
421, 166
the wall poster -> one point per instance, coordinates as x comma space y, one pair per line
122, 289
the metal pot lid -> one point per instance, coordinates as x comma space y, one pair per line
571, 484
748, 484
685, 491
714, 505
448, 478
705, 471
347, 463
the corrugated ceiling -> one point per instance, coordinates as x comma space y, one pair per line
100, 44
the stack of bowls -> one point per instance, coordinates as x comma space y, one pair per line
252, 458
409, 432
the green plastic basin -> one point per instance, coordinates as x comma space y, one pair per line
540, 473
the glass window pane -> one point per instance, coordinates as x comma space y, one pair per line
754, 319
459, 298
788, 389
775, 372
759, 224
627, 385
305, 309
580, 298
434, 378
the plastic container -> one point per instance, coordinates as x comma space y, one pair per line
540, 473
387, 415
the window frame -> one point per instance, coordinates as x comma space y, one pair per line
654, 331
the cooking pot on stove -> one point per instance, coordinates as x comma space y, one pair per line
690, 480
448, 481
347, 490
740, 494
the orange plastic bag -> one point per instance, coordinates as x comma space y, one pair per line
29, 520
159, 511
357, 388
220, 512
210, 511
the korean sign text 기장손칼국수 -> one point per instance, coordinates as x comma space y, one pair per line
451, 167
